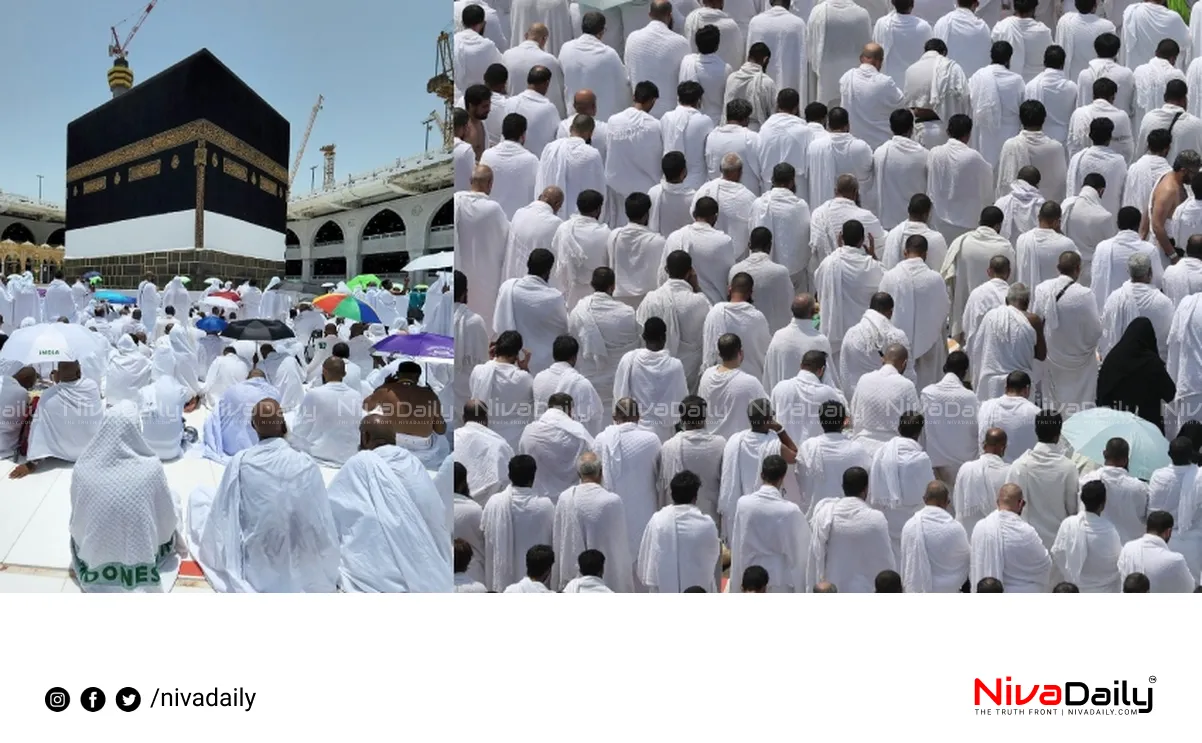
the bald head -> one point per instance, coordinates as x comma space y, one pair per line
1010, 498
994, 442
482, 179
538, 33
803, 307
585, 102
376, 431
267, 419
256, 374
873, 54
552, 196
897, 356
999, 268
583, 126
1069, 264
333, 369
936, 495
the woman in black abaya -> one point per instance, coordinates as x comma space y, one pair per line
1133, 376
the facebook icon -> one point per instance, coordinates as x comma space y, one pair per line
92, 699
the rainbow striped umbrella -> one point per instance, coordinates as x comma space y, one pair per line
344, 305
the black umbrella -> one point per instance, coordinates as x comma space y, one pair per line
257, 330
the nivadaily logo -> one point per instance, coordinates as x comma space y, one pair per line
1067, 698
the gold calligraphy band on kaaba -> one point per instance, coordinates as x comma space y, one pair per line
201, 160
182, 135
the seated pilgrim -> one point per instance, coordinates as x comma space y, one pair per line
124, 524
128, 372
226, 370
285, 374
416, 414
67, 417
163, 404
327, 422
386, 542
14, 407
268, 527
228, 428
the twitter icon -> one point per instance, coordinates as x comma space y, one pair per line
128, 699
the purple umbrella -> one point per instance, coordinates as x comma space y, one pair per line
419, 345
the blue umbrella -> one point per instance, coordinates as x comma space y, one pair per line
113, 297
419, 345
1089, 430
90, 275
211, 324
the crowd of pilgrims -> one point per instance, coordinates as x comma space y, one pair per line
335, 460
805, 295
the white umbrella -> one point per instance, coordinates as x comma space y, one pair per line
50, 343
220, 302
432, 261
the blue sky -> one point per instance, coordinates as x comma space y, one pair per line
369, 58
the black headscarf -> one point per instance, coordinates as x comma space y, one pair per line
1132, 364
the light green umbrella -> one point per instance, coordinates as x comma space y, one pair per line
362, 280
1089, 430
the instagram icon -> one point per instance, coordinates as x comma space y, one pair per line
57, 699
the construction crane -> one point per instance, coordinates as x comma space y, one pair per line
443, 86
300, 153
434, 120
119, 50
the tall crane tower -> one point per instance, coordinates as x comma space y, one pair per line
120, 77
443, 86
300, 153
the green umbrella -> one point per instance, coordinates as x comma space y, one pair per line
362, 280
95, 280
185, 280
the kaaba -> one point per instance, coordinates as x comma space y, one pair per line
184, 174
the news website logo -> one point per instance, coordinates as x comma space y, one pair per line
1005, 697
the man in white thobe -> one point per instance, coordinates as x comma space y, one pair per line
771, 532
743, 459
564, 376
515, 169
1020, 204
773, 284
846, 281
514, 521
630, 458
1009, 339
572, 165
1087, 222
580, 245
327, 421
920, 308
671, 198
1185, 127
680, 547
966, 35
733, 43
1086, 548
917, 224
505, 386
1126, 497
58, 301
705, 65
713, 252
607, 330
555, 16
1008, 549
473, 51
635, 252
850, 541
1148, 170
655, 51
531, 53
837, 31
870, 96
1136, 298
841, 153
1167, 571
1076, 33
790, 344
1029, 38
1073, 327
1145, 25
696, 450
996, 92
784, 31
533, 308
1057, 93
653, 378
950, 415
787, 218
822, 459
1103, 160
555, 440
740, 317
880, 397
1150, 80
900, 166
801, 397
865, 342
1106, 65
752, 84
682, 306
935, 552
968, 265
1048, 476
735, 203
1174, 484
1102, 105
902, 35
733, 136
1185, 366
1111, 258
1012, 412
589, 517
959, 182
66, 420
901, 471
685, 130
1184, 277
584, 103
481, 234
786, 138
979, 480
533, 226
728, 389
1033, 148
483, 451
1037, 251
635, 147
938, 84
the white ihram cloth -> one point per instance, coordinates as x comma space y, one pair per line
895, 243
1029, 38
743, 320
863, 348
162, 408
508, 393
464, 157
1039, 150
787, 348
587, 406
988, 296
285, 374
938, 83
1007, 548
519, 60
535, 309
785, 138
386, 545
1058, 94
960, 184
850, 545
468, 515
1167, 571
977, 484
950, 413
471, 348
935, 553
556, 442
227, 430
901, 471
881, 397
654, 53
148, 299
486, 455
903, 37
580, 245
128, 371
656, 381
996, 93
1185, 362
495, 28
752, 84
821, 462
1144, 26
515, 170
1020, 209
1142, 178
589, 517
606, 329
735, 206
268, 528
481, 232
826, 227
772, 533
731, 46
1073, 327
587, 584
679, 549
1126, 500
572, 164
473, 54
1086, 220
58, 302
635, 149
788, 218
900, 172
870, 96
1150, 79
1004, 343
1168, 487
14, 406
327, 423
685, 130
797, 402
123, 521
67, 418
1086, 553
555, 16
920, 307
671, 207
1130, 301
598, 141
967, 38
840, 153
846, 281
1186, 222
1122, 141
514, 520
1038, 253
527, 585
542, 118
683, 311
728, 392
1076, 33
713, 254
711, 71
838, 30
773, 288
533, 226
630, 467
1049, 483
736, 139
785, 34
1104, 161
698, 452
1185, 276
